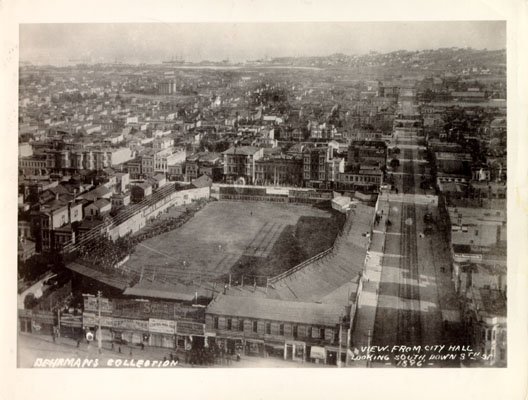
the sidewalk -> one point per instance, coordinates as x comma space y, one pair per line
31, 347
368, 302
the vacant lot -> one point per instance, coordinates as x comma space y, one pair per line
241, 238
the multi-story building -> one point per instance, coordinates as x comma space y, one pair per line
147, 163
366, 180
279, 170
485, 322
162, 143
167, 87
168, 156
86, 159
33, 165
134, 168
334, 167
292, 330
239, 163
367, 152
477, 229
453, 163
176, 172
51, 224
315, 166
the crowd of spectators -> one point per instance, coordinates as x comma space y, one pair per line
105, 254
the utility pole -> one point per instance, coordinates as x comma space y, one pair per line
368, 348
339, 352
58, 321
100, 336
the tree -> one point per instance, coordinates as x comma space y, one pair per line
394, 163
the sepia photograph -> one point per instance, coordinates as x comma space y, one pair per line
207, 202
258, 195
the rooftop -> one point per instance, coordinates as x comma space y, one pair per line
243, 150
490, 302
277, 310
476, 215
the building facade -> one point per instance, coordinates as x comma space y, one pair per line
298, 331
239, 163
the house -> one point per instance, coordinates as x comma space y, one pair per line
158, 181
120, 200
139, 191
98, 207
100, 192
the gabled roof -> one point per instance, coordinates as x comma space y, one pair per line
96, 193
242, 150
202, 181
101, 203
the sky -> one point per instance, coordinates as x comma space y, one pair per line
154, 42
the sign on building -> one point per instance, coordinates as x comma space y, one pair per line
90, 304
190, 328
162, 326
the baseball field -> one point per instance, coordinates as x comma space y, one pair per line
238, 238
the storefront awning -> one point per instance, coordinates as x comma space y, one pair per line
275, 346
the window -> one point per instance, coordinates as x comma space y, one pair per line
281, 329
322, 333
229, 327
488, 334
493, 334
315, 332
215, 322
295, 334
241, 325
255, 326
268, 328
476, 232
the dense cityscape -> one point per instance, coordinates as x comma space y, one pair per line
340, 211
